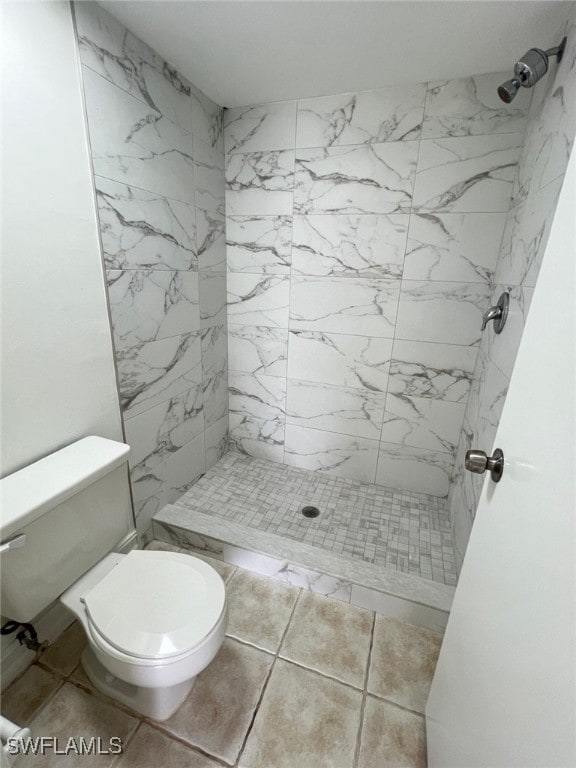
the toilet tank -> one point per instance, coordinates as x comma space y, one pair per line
73, 507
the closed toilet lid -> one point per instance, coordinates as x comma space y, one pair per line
156, 604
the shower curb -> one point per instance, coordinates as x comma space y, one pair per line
389, 593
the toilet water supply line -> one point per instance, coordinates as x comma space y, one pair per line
27, 636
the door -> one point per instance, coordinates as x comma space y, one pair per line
505, 686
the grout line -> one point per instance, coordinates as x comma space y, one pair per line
364, 693
265, 686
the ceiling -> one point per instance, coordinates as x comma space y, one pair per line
242, 52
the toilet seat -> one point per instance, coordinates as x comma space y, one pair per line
156, 605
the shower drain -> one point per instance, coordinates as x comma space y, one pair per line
310, 511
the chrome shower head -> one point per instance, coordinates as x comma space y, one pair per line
528, 70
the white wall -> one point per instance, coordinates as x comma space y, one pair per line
57, 367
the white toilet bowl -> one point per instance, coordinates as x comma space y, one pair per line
154, 620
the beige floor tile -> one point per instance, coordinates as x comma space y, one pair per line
391, 737
151, 749
217, 714
224, 569
331, 637
259, 609
304, 721
64, 654
21, 700
403, 662
75, 713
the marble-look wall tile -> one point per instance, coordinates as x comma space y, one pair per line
473, 173
184, 468
207, 119
349, 361
209, 177
486, 402
139, 146
257, 349
116, 54
361, 246
216, 438
342, 455
214, 374
502, 348
525, 236
437, 371
256, 395
147, 305
362, 306
389, 114
259, 244
421, 422
377, 178
414, 469
260, 183
260, 128
262, 438
155, 371
343, 410
448, 313
470, 106
258, 300
552, 126
212, 287
144, 230
162, 430
453, 246
211, 241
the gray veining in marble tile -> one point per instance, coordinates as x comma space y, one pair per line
262, 438
337, 409
357, 246
389, 114
216, 440
414, 469
260, 128
349, 361
139, 146
144, 230
160, 431
116, 54
453, 246
256, 395
422, 422
439, 371
209, 177
259, 244
470, 106
344, 455
258, 300
361, 306
155, 371
257, 349
260, 183
448, 313
376, 178
211, 241
212, 286
472, 173
147, 305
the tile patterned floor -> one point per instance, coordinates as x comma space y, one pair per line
409, 532
301, 681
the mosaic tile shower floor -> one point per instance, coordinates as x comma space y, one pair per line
409, 532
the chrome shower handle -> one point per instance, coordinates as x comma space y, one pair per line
499, 313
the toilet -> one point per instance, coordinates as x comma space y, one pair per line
153, 619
